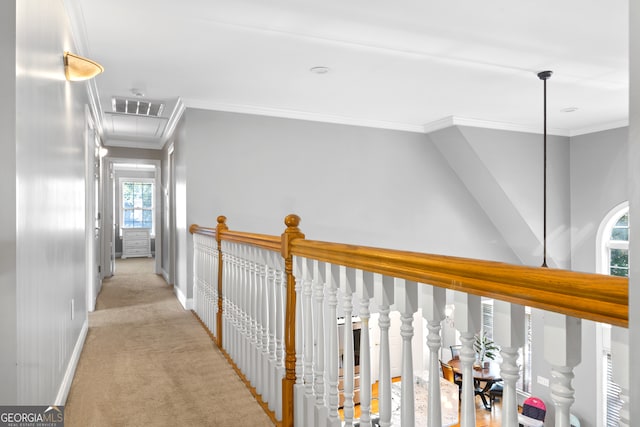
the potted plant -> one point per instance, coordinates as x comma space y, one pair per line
485, 348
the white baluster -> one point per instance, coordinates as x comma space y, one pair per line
320, 278
256, 333
214, 274
225, 298
243, 297
433, 302
280, 313
348, 287
257, 322
264, 303
406, 296
307, 325
562, 349
299, 391
620, 364
468, 318
384, 297
272, 289
364, 289
509, 333
333, 351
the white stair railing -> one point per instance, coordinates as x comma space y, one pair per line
257, 289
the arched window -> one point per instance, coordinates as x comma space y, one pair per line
612, 257
613, 242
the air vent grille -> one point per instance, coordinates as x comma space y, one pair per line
139, 107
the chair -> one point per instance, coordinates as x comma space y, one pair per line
533, 413
449, 375
495, 391
455, 351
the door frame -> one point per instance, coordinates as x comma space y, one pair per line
157, 214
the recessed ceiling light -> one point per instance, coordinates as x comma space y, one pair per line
569, 109
319, 70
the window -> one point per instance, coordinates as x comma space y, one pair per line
613, 245
612, 253
524, 354
137, 204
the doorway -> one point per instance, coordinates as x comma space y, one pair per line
133, 192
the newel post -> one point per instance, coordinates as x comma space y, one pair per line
221, 227
291, 233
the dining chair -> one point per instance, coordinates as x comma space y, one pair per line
495, 391
455, 351
533, 413
449, 375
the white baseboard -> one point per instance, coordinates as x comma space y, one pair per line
187, 304
65, 386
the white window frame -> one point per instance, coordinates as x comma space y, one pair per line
152, 181
603, 331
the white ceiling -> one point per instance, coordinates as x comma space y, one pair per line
412, 65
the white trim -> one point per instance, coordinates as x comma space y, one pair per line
600, 128
65, 385
187, 304
449, 121
126, 179
304, 115
602, 250
176, 114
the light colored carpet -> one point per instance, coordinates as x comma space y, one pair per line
148, 362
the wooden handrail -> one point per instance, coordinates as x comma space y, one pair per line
595, 297
589, 296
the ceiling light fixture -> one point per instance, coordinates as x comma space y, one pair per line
78, 68
319, 70
544, 75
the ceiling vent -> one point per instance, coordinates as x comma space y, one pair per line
139, 107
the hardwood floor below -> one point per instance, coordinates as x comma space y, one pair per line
484, 417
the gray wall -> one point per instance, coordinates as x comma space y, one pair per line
44, 267
401, 190
599, 182
634, 206
8, 331
349, 184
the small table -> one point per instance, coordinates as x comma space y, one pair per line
488, 376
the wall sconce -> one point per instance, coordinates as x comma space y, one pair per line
78, 68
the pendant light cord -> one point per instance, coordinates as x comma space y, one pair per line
544, 75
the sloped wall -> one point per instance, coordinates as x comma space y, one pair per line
504, 172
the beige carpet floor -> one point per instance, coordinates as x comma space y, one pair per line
148, 362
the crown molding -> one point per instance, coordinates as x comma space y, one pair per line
304, 115
601, 127
449, 121
176, 114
